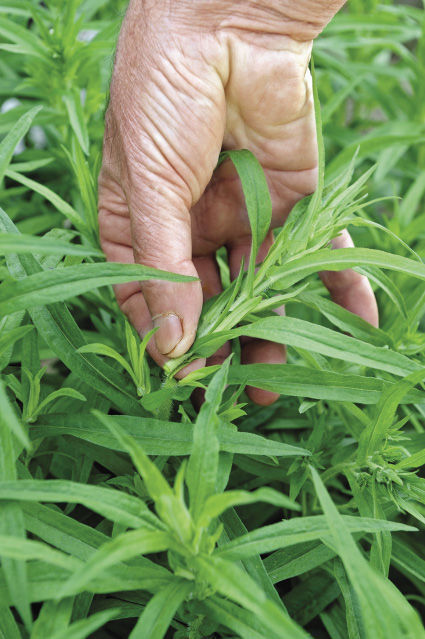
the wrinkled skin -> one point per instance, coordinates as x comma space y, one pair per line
191, 79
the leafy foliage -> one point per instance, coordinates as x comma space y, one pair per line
123, 511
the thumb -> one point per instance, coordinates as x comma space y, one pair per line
161, 235
169, 119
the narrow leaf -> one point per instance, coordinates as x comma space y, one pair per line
17, 132
203, 462
158, 614
48, 287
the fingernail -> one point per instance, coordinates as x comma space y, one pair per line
169, 332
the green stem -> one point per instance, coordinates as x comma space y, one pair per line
164, 411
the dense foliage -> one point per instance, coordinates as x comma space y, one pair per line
123, 511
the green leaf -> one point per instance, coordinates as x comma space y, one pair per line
354, 619
54, 616
59, 530
240, 620
302, 234
301, 381
233, 528
11, 243
416, 460
25, 39
155, 483
318, 339
7, 326
14, 567
85, 627
59, 203
384, 611
158, 614
18, 7
126, 546
9, 423
308, 598
385, 411
406, 558
411, 200
115, 505
48, 287
202, 468
25, 549
344, 320
45, 581
296, 531
217, 504
82, 541
386, 284
297, 560
9, 338
158, 437
8, 627
169, 507
61, 392
103, 349
11, 518
17, 132
32, 165
57, 327
334, 623
231, 582
85, 183
75, 112
257, 199
339, 259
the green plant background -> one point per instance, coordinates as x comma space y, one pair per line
123, 511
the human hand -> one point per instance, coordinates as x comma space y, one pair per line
189, 80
